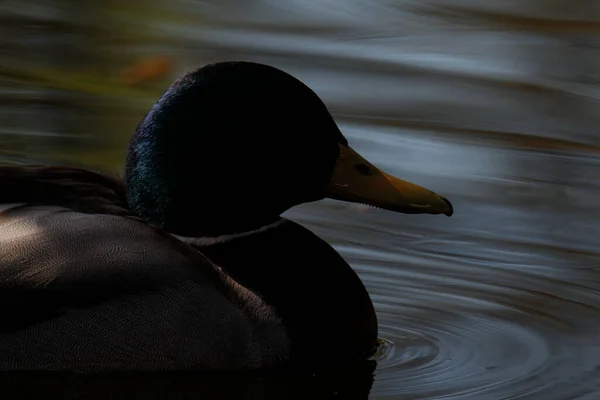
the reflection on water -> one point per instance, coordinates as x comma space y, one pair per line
492, 103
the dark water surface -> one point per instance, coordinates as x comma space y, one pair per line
492, 103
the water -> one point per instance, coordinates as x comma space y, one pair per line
491, 103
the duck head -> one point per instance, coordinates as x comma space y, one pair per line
231, 146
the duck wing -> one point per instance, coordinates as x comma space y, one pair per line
85, 285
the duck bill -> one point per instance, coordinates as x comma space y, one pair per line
358, 181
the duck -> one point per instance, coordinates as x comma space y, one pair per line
184, 262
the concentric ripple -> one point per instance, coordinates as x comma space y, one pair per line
466, 342
434, 353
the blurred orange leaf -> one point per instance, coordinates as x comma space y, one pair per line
148, 69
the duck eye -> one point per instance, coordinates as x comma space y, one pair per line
363, 169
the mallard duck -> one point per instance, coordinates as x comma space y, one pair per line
185, 262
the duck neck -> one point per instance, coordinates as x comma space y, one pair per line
222, 238
220, 227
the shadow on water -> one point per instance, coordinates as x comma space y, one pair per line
349, 382
492, 103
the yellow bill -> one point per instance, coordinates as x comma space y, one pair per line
356, 180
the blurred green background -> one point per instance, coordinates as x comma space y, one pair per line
76, 76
